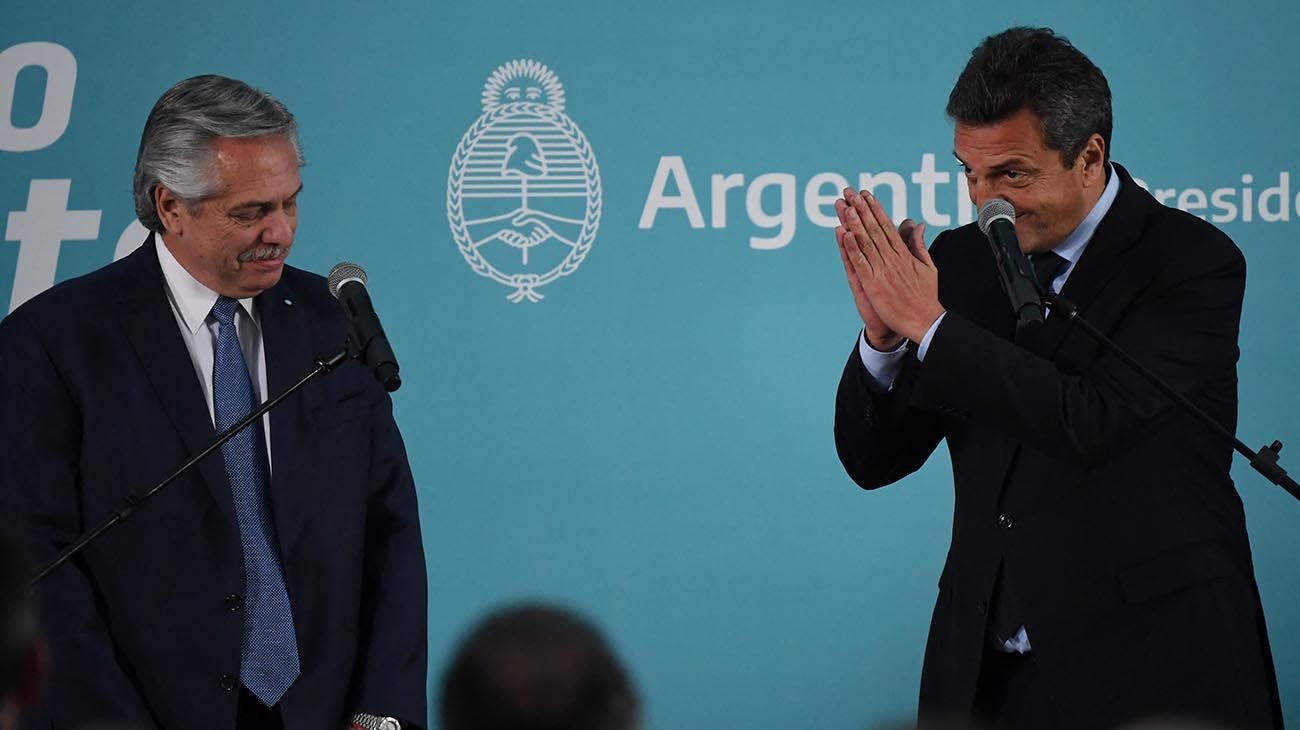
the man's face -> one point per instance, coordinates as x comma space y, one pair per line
1010, 160
235, 241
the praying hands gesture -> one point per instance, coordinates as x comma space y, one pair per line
895, 285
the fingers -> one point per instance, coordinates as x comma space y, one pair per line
875, 223
918, 246
859, 223
906, 229
851, 253
881, 222
914, 234
850, 271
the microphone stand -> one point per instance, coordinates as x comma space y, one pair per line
133, 501
1264, 461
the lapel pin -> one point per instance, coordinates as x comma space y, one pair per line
288, 302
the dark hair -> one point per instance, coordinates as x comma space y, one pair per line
535, 667
17, 617
1035, 69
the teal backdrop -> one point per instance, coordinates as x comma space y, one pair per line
650, 442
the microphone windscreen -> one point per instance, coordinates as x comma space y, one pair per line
342, 273
991, 211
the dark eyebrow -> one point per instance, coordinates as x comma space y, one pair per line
1013, 163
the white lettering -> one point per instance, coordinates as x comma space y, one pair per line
1282, 193
897, 186
721, 185
965, 208
1192, 199
134, 235
40, 230
814, 200
927, 177
658, 199
771, 205
56, 109
785, 216
1220, 198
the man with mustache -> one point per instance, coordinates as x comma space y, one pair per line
280, 584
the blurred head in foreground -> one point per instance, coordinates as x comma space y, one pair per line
22, 655
534, 667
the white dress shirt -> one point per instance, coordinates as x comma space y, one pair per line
192, 304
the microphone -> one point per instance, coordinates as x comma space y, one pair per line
998, 222
347, 283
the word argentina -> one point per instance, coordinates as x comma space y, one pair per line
772, 200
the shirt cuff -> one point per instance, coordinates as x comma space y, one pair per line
882, 367
922, 348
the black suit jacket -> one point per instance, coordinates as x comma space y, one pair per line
1109, 509
100, 398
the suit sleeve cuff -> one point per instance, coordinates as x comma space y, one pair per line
924, 345
882, 367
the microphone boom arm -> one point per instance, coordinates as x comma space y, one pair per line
133, 501
1263, 461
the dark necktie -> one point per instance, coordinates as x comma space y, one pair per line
1047, 266
269, 656
1007, 619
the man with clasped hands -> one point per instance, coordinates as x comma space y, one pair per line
280, 584
1099, 571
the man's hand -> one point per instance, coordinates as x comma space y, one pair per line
895, 285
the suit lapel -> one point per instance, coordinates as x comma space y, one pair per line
151, 327
287, 343
1119, 229
1101, 260
990, 308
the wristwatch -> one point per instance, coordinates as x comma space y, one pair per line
364, 721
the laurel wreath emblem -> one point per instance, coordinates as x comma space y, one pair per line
525, 285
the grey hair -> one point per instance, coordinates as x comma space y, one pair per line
176, 147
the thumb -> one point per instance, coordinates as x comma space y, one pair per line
916, 242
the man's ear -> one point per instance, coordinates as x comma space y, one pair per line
1093, 158
171, 209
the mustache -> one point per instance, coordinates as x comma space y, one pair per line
264, 253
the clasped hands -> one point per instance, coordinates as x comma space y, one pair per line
894, 283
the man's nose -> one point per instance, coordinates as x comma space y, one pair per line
279, 228
982, 191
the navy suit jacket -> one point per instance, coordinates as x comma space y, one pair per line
1111, 510
100, 398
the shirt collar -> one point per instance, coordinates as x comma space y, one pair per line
1072, 247
190, 298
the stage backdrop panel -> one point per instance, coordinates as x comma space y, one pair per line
599, 235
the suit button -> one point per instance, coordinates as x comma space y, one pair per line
982, 607
234, 602
1005, 521
227, 683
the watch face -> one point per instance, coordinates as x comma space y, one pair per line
389, 723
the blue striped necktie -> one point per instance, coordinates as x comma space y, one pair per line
269, 656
